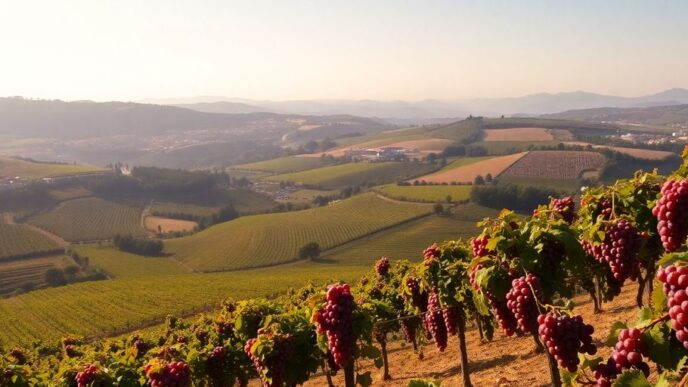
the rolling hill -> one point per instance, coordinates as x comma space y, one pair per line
655, 115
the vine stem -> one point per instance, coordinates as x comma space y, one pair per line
654, 322
684, 381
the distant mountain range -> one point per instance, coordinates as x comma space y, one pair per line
428, 110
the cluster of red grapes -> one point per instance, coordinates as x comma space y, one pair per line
335, 320
215, 362
604, 208
565, 207
418, 299
451, 320
565, 337
224, 328
408, 327
507, 321
671, 212
522, 301
87, 376
141, 348
675, 285
480, 246
382, 267
553, 253
619, 249
430, 254
174, 374
272, 368
434, 322
628, 353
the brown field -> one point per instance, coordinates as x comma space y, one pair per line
168, 225
555, 164
526, 134
15, 274
504, 362
468, 173
647, 154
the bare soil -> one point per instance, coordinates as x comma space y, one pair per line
168, 225
468, 173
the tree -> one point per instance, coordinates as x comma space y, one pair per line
479, 180
449, 199
488, 178
438, 208
55, 277
310, 250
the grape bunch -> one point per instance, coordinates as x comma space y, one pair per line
382, 267
565, 337
434, 322
408, 327
564, 207
87, 376
430, 254
472, 276
271, 368
506, 319
333, 367
224, 328
335, 320
671, 212
419, 299
215, 362
675, 285
605, 373
619, 249
522, 301
553, 253
629, 350
174, 374
451, 320
141, 348
604, 208
479, 245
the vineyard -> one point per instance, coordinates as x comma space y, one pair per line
28, 273
119, 264
284, 164
426, 193
555, 164
263, 240
356, 174
10, 167
17, 240
90, 219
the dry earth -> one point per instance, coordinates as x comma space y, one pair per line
468, 173
168, 225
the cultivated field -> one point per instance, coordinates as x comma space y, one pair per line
647, 154
249, 202
168, 225
283, 165
373, 141
90, 219
28, 273
555, 164
18, 240
70, 193
425, 193
468, 172
408, 242
120, 264
262, 240
10, 167
357, 174
172, 209
121, 305
518, 134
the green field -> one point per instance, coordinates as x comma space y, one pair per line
70, 193
425, 193
409, 241
18, 240
32, 170
249, 202
283, 164
90, 219
119, 264
121, 305
462, 161
567, 185
173, 209
462, 131
497, 148
262, 240
360, 173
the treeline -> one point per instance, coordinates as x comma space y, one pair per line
517, 197
129, 244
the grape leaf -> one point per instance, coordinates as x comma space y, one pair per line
633, 378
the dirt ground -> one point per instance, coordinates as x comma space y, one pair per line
505, 361
468, 173
168, 225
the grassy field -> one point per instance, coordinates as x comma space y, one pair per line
90, 219
120, 305
508, 147
425, 193
261, 240
357, 174
18, 240
462, 131
119, 264
70, 193
10, 167
283, 165
408, 242
567, 185
249, 202
171, 208
28, 273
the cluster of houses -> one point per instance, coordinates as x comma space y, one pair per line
381, 153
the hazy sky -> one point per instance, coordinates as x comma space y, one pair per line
283, 49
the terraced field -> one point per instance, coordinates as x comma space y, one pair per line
121, 305
425, 193
28, 273
555, 164
10, 167
409, 241
357, 174
90, 219
18, 240
262, 240
283, 165
119, 264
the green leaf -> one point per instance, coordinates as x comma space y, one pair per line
614, 333
633, 378
645, 316
662, 381
659, 299
364, 379
589, 362
493, 242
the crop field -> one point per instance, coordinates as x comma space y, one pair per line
168, 225
90, 219
18, 240
262, 240
10, 167
249, 202
307, 195
462, 131
498, 148
28, 273
555, 164
99, 308
466, 173
378, 140
425, 193
283, 165
646, 154
119, 264
169, 209
70, 193
561, 185
518, 134
409, 241
357, 174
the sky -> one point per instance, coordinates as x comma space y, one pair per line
319, 49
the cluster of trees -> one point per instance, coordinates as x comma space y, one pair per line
520, 198
138, 246
322, 200
457, 150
